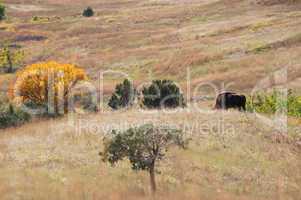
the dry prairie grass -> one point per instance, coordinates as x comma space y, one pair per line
220, 41
51, 160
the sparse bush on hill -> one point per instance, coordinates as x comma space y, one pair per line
12, 116
85, 102
270, 103
144, 146
294, 105
88, 12
123, 96
48, 85
40, 19
35, 18
2, 12
162, 94
10, 59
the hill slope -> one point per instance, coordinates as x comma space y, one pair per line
219, 41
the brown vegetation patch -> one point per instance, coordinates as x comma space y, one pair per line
28, 38
274, 2
286, 43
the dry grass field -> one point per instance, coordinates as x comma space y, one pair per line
219, 41
54, 160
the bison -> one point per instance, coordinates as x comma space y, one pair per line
226, 100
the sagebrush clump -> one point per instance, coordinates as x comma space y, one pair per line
123, 96
12, 116
48, 84
162, 94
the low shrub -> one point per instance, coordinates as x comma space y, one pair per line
294, 105
2, 12
10, 58
35, 18
88, 12
162, 94
12, 116
40, 19
84, 102
123, 96
270, 103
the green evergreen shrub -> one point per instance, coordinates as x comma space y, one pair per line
123, 96
88, 12
162, 94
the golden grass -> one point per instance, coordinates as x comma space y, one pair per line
51, 160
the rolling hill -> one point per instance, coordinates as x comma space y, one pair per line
232, 155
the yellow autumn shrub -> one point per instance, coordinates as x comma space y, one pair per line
47, 83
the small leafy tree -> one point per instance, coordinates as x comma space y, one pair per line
123, 96
88, 12
162, 93
2, 12
9, 58
143, 146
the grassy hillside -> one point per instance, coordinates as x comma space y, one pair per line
235, 42
220, 41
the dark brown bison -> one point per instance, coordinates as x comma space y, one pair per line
226, 100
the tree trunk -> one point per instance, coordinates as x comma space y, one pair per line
10, 63
152, 179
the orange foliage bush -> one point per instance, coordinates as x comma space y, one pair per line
37, 83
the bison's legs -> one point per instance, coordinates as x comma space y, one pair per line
244, 101
242, 108
216, 107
